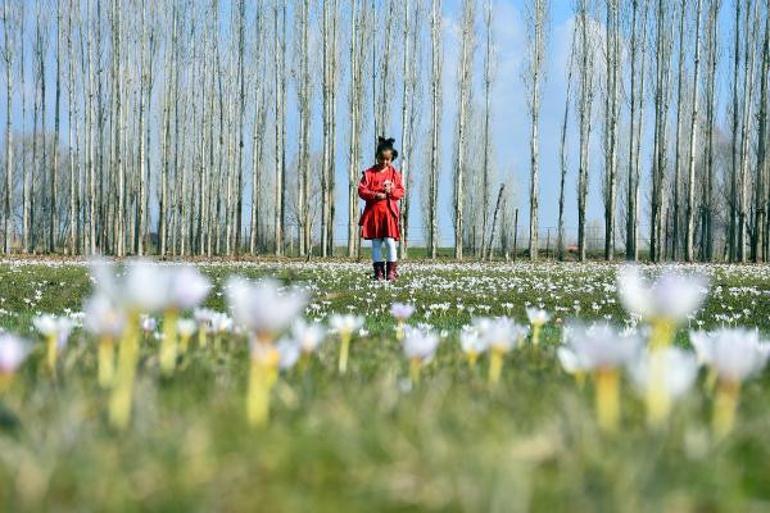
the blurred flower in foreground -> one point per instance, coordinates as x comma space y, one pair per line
106, 322
187, 287
662, 377
307, 336
13, 351
735, 355
262, 307
471, 344
500, 335
419, 347
401, 312
601, 350
344, 325
203, 317
665, 303
56, 331
537, 318
266, 312
186, 329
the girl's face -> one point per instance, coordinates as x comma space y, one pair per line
385, 158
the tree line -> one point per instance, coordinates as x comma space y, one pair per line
202, 128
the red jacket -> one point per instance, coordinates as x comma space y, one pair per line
380, 217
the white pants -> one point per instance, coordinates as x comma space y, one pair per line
390, 245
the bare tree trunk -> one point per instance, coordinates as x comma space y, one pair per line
584, 113
71, 121
406, 134
491, 244
435, 126
663, 69
563, 147
466, 63
758, 254
679, 129
536, 26
733, 227
748, 104
279, 17
707, 245
612, 50
690, 226
487, 114
8, 196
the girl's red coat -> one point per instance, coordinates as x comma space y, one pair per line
380, 216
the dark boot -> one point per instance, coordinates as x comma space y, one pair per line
392, 271
379, 270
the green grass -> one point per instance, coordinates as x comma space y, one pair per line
368, 441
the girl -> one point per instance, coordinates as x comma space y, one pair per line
381, 188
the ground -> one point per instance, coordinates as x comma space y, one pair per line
370, 440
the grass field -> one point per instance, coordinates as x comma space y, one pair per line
371, 440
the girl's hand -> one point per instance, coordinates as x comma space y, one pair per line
380, 195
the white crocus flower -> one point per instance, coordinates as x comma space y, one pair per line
662, 377
308, 335
664, 303
103, 318
420, 344
472, 344
56, 331
501, 335
601, 350
419, 347
262, 307
188, 288
146, 287
289, 353
13, 351
186, 329
537, 318
737, 354
344, 325
401, 311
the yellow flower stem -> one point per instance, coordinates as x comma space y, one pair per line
495, 366
658, 400
5, 381
168, 344
106, 361
711, 381
202, 336
725, 406
184, 343
473, 357
662, 333
607, 399
536, 334
414, 370
128, 355
304, 361
580, 378
51, 353
262, 376
344, 350
217, 342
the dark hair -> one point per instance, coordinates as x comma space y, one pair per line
384, 144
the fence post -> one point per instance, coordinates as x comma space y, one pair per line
515, 233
